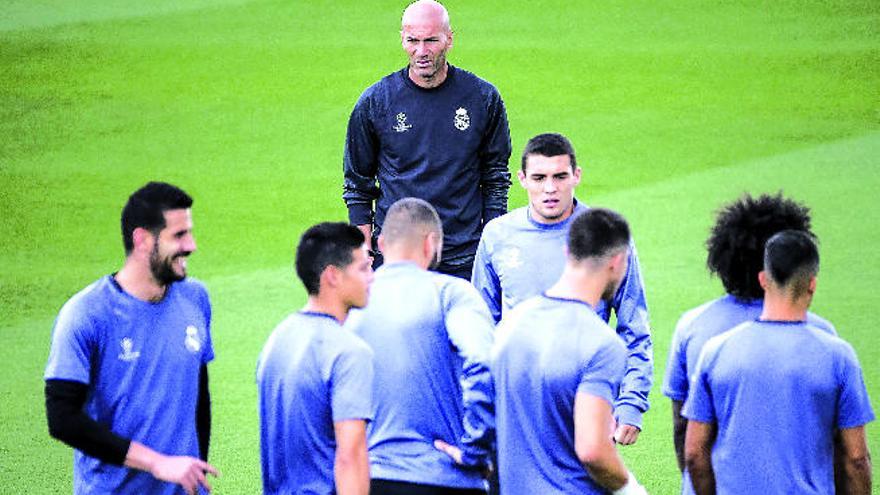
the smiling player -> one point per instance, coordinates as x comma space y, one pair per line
127, 378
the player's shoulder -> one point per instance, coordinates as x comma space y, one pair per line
717, 343
451, 287
578, 315
90, 298
594, 324
513, 319
382, 88
689, 320
192, 287
505, 224
89, 309
822, 330
469, 79
97, 289
821, 324
352, 344
466, 76
527, 308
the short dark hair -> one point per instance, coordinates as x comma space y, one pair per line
146, 209
323, 245
736, 241
791, 258
405, 215
549, 144
596, 233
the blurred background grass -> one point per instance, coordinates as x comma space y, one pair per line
674, 108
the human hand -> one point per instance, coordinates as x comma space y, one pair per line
188, 472
626, 434
455, 453
450, 450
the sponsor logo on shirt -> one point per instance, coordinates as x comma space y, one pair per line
462, 120
192, 342
401, 125
128, 354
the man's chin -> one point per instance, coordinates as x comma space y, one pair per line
551, 215
424, 73
169, 278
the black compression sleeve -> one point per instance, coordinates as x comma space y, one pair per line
68, 423
203, 413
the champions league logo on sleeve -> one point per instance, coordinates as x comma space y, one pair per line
127, 347
192, 342
462, 120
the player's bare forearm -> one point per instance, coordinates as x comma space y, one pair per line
679, 429
852, 462
698, 456
592, 441
605, 466
188, 472
351, 468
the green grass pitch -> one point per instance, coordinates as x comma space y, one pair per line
674, 107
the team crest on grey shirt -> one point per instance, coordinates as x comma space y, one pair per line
192, 342
462, 120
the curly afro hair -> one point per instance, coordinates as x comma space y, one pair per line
742, 228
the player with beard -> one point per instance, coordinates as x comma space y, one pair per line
127, 377
557, 368
432, 131
431, 335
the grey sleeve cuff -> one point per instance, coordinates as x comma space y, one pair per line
626, 414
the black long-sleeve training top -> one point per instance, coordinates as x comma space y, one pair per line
448, 145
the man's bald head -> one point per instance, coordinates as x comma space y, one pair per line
426, 12
409, 220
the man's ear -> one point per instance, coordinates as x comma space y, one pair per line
142, 240
813, 282
618, 261
330, 277
522, 177
762, 280
428, 245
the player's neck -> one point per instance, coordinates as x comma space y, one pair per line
136, 279
534, 216
579, 285
411, 255
430, 82
778, 307
328, 305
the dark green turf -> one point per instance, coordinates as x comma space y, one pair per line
674, 107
